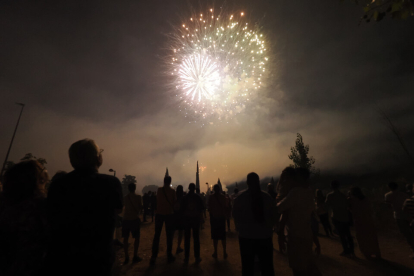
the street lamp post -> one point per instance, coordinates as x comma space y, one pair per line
111, 170
11, 143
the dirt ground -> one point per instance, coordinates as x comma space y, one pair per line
394, 251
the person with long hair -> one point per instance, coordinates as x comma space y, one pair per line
365, 231
298, 206
217, 210
253, 214
322, 212
24, 230
179, 223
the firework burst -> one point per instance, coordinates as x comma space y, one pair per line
218, 64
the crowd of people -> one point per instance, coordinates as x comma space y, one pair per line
72, 224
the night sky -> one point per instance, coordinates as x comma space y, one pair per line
96, 69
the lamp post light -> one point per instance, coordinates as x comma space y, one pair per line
11, 143
111, 170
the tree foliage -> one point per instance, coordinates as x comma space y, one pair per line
148, 188
126, 181
377, 9
299, 155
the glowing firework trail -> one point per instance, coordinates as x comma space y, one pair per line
218, 64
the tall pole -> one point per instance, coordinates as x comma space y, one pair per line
11, 143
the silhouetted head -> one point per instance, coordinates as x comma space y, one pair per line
288, 174
216, 189
319, 194
85, 154
58, 175
335, 185
191, 187
167, 181
257, 205
132, 187
393, 186
303, 175
179, 192
25, 180
236, 191
356, 192
270, 187
253, 181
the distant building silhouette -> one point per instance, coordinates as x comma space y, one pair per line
197, 180
166, 173
219, 183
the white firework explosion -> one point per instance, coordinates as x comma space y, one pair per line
218, 64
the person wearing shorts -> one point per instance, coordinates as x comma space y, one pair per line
131, 224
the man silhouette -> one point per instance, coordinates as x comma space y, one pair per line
82, 207
166, 199
338, 202
192, 208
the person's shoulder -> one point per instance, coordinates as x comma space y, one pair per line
64, 180
107, 178
266, 195
241, 195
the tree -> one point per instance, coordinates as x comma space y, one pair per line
378, 9
149, 188
299, 155
126, 181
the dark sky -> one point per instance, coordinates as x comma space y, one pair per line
97, 69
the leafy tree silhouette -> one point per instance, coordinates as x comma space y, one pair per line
299, 155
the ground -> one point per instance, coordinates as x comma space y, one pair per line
394, 251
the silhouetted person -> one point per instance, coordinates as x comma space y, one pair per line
408, 207
153, 205
271, 191
322, 212
146, 200
23, 224
165, 213
287, 181
234, 195
178, 217
365, 231
253, 214
338, 203
298, 205
396, 200
131, 223
229, 207
204, 199
217, 209
58, 175
82, 206
192, 208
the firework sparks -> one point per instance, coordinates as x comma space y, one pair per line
218, 64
